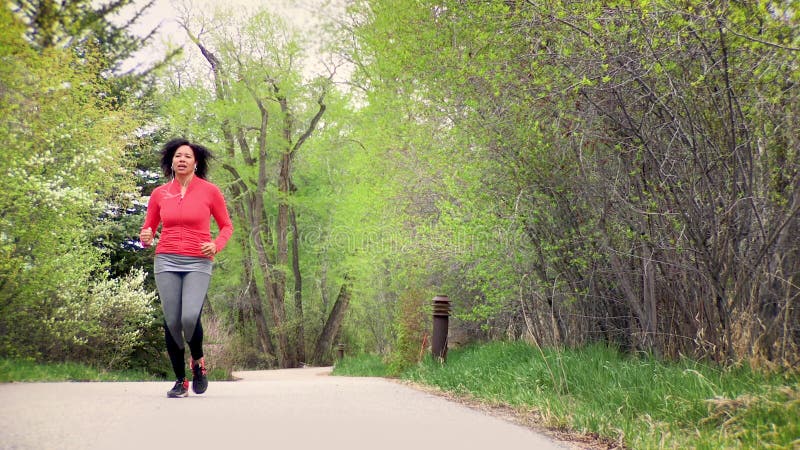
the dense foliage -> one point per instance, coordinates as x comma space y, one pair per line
567, 173
63, 146
617, 171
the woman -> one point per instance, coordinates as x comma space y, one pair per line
184, 253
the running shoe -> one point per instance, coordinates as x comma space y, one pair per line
181, 389
199, 378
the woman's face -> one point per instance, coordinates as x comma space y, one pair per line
183, 161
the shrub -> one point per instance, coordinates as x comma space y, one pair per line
105, 324
411, 330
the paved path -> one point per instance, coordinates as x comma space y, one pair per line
283, 409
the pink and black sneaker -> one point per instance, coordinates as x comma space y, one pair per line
181, 389
199, 378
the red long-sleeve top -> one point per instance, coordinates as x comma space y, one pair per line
186, 221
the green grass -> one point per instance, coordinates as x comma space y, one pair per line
30, 371
363, 365
636, 400
25, 370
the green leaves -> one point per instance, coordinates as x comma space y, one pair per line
63, 164
605, 138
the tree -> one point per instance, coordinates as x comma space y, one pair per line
610, 164
93, 32
264, 114
98, 35
62, 164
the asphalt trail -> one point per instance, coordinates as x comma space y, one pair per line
286, 409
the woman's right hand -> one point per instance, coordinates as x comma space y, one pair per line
146, 236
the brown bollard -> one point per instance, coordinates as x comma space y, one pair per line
340, 351
441, 318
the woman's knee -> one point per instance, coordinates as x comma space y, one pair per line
172, 323
189, 324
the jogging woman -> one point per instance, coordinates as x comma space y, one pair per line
183, 207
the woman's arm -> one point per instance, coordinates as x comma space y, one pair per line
151, 221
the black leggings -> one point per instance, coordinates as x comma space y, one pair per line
182, 296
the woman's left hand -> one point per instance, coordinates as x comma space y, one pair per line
208, 248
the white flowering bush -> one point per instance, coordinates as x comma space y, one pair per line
106, 323
123, 310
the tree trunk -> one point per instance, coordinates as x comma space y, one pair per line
298, 292
334, 322
250, 293
282, 256
649, 303
242, 206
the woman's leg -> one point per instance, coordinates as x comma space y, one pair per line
170, 286
195, 288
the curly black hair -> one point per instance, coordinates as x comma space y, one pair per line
201, 156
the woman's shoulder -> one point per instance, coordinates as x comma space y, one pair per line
207, 184
160, 189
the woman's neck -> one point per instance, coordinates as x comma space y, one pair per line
184, 180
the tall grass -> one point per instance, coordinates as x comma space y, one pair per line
638, 401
